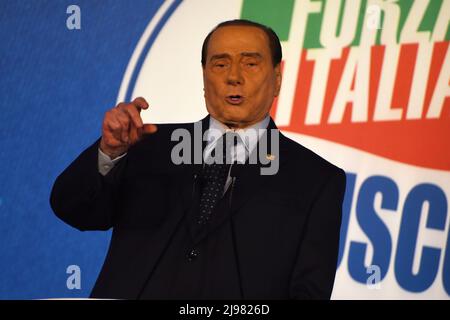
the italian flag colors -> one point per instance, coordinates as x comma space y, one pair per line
370, 74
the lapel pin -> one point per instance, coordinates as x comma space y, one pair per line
270, 157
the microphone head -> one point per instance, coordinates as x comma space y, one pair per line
198, 170
235, 170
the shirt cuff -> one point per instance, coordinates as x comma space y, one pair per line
105, 163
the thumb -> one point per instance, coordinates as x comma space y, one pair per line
149, 128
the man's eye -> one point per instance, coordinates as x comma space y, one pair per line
251, 64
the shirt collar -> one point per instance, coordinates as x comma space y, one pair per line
247, 138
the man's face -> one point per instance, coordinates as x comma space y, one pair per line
239, 78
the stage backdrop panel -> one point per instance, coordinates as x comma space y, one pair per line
365, 85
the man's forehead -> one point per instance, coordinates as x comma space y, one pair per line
242, 38
239, 35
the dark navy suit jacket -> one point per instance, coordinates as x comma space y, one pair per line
286, 225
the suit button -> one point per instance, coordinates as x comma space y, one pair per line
192, 255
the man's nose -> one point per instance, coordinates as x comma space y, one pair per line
235, 75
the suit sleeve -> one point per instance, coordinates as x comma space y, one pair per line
315, 268
82, 197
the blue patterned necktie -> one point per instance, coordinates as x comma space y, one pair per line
214, 178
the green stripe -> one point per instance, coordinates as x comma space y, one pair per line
429, 20
276, 14
312, 32
314, 25
405, 7
341, 13
359, 24
378, 37
430, 16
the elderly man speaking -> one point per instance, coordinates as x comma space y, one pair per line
210, 229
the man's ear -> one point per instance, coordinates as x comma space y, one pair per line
277, 79
204, 79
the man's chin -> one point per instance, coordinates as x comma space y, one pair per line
237, 123
234, 121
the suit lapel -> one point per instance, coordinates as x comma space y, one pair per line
247, 183
189, 187
249, 179
188, 174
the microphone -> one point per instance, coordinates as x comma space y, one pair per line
236, 169
198, 170
197, 178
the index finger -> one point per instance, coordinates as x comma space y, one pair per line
140, 103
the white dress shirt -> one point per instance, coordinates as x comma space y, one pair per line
247, 142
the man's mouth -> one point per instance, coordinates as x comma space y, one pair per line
234, 99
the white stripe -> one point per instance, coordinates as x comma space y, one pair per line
292, 51
140, 46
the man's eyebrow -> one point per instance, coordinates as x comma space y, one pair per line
244, 54
252, 54
220, 56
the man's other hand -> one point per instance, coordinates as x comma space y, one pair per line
122, 127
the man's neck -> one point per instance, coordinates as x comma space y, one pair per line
262, 124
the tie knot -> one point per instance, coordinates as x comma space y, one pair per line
223, 152
231, 140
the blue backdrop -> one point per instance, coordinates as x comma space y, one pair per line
55, 85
